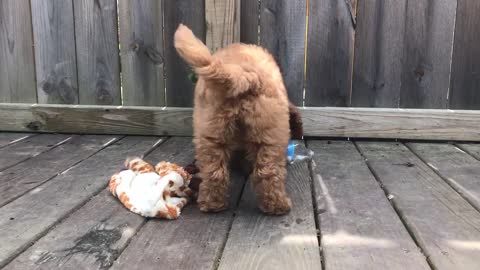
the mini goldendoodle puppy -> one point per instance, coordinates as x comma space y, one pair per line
240, 103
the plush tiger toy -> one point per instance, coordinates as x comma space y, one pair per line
160, 191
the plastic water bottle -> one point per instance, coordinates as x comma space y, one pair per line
297, 152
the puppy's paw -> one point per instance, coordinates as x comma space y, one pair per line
212, 206
278, 206
211, 202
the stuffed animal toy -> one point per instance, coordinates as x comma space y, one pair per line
152, 192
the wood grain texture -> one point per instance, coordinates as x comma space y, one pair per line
223, 23
392, 123
192, 14
249, 21
91, 238
456, 167
142, 52
329, 53
194, 241
55, 57
257, 241
28, 148
17, 72
465, 78
28, 218
11, 138
379, 43
97, 119
96, 37
359, 227
282, 33
470, 148
445, 226
18, 180
427, 54
328, 122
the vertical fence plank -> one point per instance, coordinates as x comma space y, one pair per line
329, 52
55, 58
427, 54
17, 69
192, 14
97, 52
282, 32
465, 82
223, 23
377, 71
238, 21
142, 50
249, 21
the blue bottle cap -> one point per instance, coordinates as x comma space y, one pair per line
290, 150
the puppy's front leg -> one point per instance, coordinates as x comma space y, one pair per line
212, 160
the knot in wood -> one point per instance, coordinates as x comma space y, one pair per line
135, 46
34, 125
103, 95
154, 55
419, 73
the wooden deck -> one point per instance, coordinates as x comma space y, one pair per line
358, 205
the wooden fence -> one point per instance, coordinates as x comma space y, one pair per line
395, 54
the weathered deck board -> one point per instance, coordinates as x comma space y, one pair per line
258, 241
30, 147
282, 33
91, 238
31, 173
359, 227
50, 228
55, 57
17, 72
471, 148
10, 138
96, 37
142, 52
26, 219
329, 53
456, 167
191, 242
445, 226
192, 14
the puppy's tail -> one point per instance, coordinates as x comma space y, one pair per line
191, 49
210, 68
296, 123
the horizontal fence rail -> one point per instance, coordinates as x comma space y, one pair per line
390, 123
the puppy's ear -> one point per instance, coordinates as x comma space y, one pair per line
296, 123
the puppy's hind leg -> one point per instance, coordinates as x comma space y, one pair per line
268, 178
213, 161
